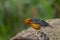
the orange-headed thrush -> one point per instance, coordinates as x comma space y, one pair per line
36, 23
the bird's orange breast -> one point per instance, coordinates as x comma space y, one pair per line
35, 26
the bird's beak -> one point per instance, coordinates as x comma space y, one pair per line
25, 23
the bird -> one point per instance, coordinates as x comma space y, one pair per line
36, 23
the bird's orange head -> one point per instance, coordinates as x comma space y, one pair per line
27, 21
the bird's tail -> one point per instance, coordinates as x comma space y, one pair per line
50, 26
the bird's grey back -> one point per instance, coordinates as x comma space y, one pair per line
39, 21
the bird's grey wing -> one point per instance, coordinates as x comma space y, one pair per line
44, 23
35, 20
40, 22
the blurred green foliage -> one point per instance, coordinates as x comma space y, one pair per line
13, 13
